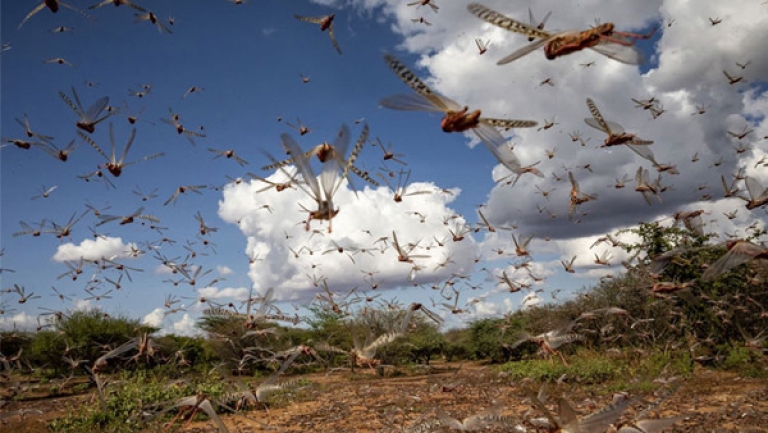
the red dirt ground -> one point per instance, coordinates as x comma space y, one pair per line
714, 401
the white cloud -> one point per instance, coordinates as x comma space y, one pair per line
483, 308
686, 73
531, 300
82, 305
223, 270
20, 320
94, 249
364, 219
154, 318
237, 293
461, 74
690, 54
163, 270
185, 326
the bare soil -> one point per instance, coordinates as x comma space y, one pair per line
714, 401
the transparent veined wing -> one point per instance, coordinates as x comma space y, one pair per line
567, 414
644, 151
647, 197
93, 144
25, 124
600, 420
363, 175
505, 22
509, 123
358, 146
369, 351
738, 255
211, 412
32, 13
524, 51
655, 425
597, 120
497, 144
508, 173
302, 165
330, 173
620, 53
574, 182
610, 128
639, 175
615, 127
80, 111
411, 102
316, 20
113, 158
69, 102
397, 246
278, 164
755, 190
145, 158
97, 108
540, 24
130, 344
419, 86
127, 145
333, 39
347, 165
267, 300
535, 400
595, 124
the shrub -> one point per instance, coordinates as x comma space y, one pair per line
456, 345
127, 398
746, 362
590, 367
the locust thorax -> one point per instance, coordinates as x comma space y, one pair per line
86, 126
460, 121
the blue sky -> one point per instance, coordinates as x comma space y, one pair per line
248, 59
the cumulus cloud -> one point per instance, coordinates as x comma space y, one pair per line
154, 318
163, 270
186, 325
82, 305
677, 134
484, 308
237, 293
691, 55
295, 260
685, 77
94, 249
531, 300
223, 270
20, 320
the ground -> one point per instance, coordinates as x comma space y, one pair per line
714, 401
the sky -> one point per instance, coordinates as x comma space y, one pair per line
250, 59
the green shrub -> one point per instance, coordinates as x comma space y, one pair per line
485, 340
127, 397
456, 345
745, 362
589, 367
